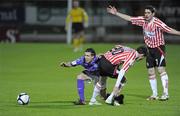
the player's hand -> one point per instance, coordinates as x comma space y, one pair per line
112, 10
63, 64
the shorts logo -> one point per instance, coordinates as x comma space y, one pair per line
156, 62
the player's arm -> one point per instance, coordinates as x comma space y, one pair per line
74, 63
120, 76
168, 29
175, 32
68, 20
86, 18
66, 64
113, 10
129, 62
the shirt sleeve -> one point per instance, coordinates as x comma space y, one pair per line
163, 26
129, 61
68, 18
85, 16
139, 21
78, 61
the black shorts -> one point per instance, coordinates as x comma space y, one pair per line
156, 57
92, 75
106, 68
77, 27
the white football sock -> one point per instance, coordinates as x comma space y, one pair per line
109, 99
164, 80
153, 83
95, 94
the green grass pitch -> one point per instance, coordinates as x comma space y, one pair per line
33, 68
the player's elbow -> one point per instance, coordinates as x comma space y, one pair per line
128, 18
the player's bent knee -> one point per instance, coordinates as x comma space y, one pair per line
80, 77
98, 85
161, 71
151, 73
101, 84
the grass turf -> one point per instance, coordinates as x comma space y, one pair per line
33, 68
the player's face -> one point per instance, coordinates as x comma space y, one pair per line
88, 57
75, 4
148, 15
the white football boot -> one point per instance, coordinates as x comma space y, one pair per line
152, 97
164, 97
94, 103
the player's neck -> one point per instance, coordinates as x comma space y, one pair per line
148, 21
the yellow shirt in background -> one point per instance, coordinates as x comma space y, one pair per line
77, 15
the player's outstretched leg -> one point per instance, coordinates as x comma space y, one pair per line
80, 88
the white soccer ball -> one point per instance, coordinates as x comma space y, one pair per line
23, 99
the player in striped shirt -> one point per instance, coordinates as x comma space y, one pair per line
108, 66
153, 29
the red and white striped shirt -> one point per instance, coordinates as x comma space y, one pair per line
121, 55
153, 30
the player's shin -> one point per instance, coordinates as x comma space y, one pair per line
119, 89
164, 79
120, 77
80, 87
110, 98
95, 92
115, 92
153, 84
116, 88
103, 93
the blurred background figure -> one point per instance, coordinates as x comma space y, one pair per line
79, 19
37, 21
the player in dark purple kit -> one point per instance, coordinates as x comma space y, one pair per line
89, 62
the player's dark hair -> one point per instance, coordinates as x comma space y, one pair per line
91, 50
142, 50
151, 8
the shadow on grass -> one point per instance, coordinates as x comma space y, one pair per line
53, 102
55, 105
63, 104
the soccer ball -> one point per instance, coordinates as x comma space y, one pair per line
23, 99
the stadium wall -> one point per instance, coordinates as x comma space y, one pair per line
44, 21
